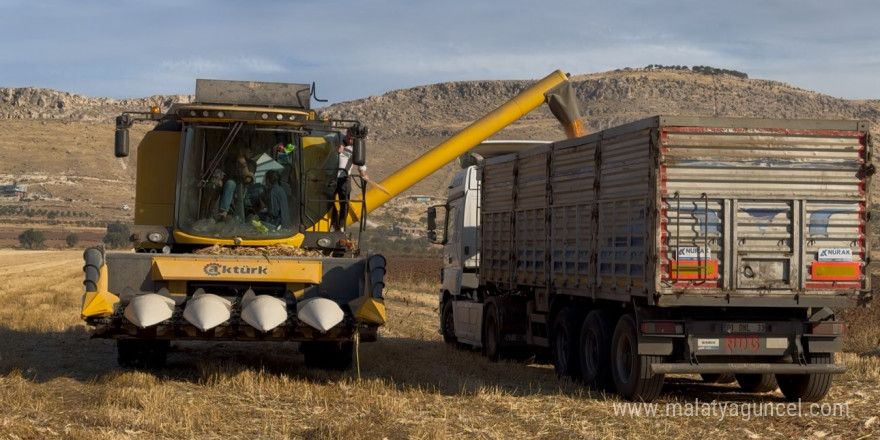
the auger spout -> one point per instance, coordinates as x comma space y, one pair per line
471, 136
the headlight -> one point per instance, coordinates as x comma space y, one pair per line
156, 237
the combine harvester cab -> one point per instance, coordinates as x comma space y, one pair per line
232, 233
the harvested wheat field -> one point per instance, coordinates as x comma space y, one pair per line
57, 383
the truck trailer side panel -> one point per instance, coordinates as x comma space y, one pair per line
685, 211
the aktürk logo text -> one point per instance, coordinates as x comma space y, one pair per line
215, 269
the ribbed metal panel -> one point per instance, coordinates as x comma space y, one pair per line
682, 209
625, 163
531, 246
497, 188
531, 179
572, 246
779, 163
574, 174
497, 239
573, 181
765, 197
765, 245
621, 245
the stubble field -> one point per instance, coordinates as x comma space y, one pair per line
55, 382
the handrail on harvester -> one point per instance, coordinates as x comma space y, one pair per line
461, 142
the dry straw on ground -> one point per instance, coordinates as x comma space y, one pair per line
57, 383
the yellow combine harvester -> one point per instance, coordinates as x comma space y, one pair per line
233, 215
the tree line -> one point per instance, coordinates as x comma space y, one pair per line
117, 237
707, 70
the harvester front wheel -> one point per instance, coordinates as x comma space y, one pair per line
142, 353
328, 355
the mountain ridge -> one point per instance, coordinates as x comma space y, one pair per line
62, 142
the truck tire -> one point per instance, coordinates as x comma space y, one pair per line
630, 370
447, 324
142, 353
756, 383
807, 387
335, 356
718, 377
492, 333
595, 350
565, 343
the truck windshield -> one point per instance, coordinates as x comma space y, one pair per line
241, 180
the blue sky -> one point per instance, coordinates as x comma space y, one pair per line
355, 49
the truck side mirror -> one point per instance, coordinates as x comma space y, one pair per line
432, 226
121, 145
359, 152
432, 218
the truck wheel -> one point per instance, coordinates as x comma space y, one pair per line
718, 377
492, 334
756, 383
807, 387
447, 324
142, 353
630, 370
328, 355
565, 343
596, 350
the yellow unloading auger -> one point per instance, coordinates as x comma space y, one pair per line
554, 89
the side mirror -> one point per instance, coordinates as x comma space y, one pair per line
432, 219
359, 152
121, 145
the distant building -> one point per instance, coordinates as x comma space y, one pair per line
422, 198
14, 190
408, 230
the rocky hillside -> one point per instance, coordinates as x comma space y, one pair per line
68, 138
608, 99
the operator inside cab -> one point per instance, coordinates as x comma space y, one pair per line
246, 184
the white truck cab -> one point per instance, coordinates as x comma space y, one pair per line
458, 224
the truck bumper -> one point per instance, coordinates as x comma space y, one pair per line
745, 368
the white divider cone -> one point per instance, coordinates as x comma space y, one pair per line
149, 309
263, 312
206, 310
320, 313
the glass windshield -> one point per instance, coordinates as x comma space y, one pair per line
241, 181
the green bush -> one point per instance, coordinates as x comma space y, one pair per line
117, 235
72, 239
32, 238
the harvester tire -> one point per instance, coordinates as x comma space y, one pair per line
142, 353
336, 356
